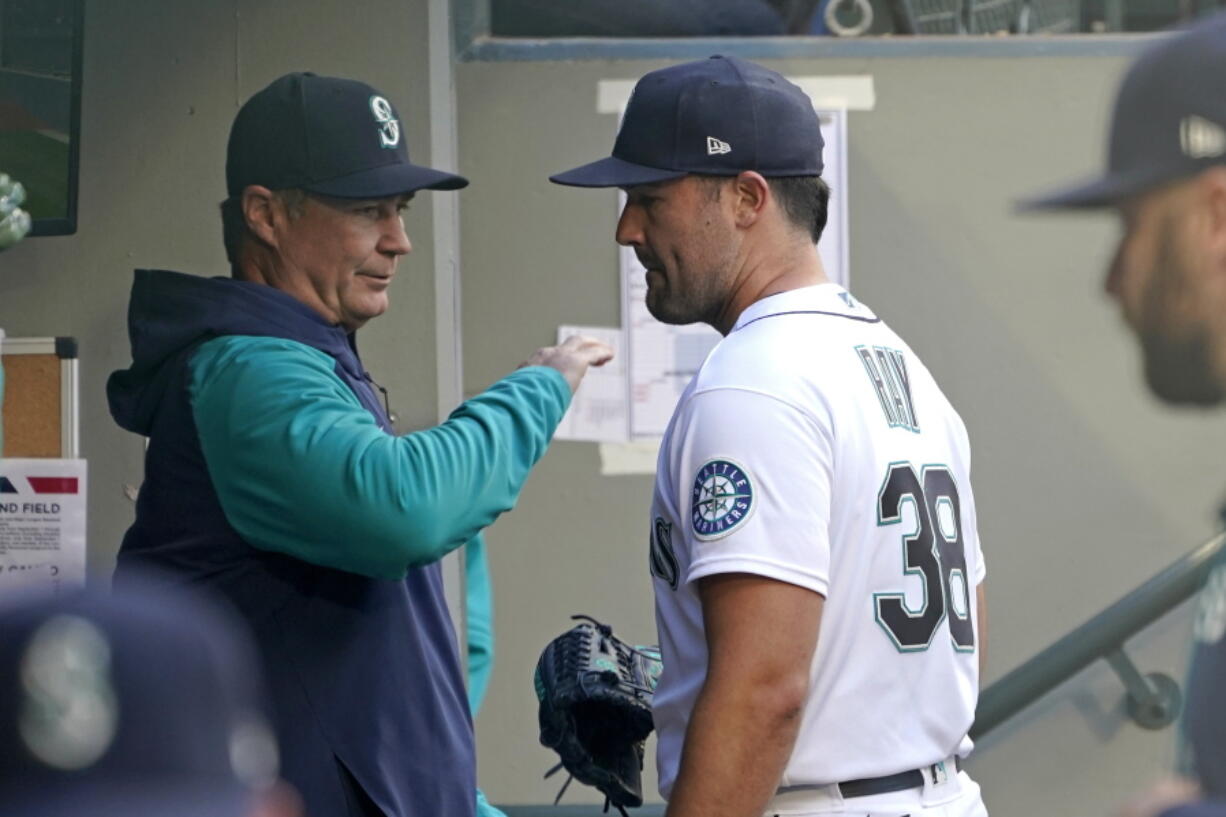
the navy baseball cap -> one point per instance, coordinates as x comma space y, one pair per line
1169, 121
338, 137
142, 704
717, 117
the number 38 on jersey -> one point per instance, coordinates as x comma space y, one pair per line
933, 552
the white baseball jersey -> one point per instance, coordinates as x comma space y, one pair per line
813, 447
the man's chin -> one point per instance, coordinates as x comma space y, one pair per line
668, 318
659, 311
1185, 382
672, 313
356, 319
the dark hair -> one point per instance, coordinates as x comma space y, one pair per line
804, 201
234, 229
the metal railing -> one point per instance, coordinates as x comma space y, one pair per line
1153, 699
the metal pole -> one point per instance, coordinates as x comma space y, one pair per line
445, 208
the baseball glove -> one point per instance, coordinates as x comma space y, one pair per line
595, 709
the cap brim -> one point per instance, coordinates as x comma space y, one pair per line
389, 180
1106, 191
614, 172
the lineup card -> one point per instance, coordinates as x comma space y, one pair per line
597, 412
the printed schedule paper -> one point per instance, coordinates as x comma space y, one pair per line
42, 525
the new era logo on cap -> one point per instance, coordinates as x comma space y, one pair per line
716, 146
1201, 139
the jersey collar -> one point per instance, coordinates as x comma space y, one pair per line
827, 298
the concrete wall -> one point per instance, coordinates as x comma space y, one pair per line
163, 80
1085, 486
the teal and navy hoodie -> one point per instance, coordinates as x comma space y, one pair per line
272, 477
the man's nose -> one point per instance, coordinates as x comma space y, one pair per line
629, 228
395, 240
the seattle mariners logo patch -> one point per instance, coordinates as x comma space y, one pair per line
722, 498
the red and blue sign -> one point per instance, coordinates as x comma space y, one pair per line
43, 485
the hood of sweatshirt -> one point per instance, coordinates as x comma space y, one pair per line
171, 312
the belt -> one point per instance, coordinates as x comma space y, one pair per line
912, 779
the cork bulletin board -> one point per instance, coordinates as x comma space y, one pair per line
40, 397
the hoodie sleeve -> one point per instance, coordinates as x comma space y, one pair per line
301, 468
479, 618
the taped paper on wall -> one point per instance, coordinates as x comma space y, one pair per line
42, 525
598, 410
620, 459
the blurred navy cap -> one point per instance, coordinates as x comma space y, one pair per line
142, 704
339, 137
1169, 120
716, 117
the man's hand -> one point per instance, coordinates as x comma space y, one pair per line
572, 357
1166, 793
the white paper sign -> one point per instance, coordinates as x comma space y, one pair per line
598, 412
42, 525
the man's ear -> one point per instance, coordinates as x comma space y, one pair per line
1205, 209
263, 213
751, 193
1213, 188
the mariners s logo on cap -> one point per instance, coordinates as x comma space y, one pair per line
69, 712
389, 125
722, 498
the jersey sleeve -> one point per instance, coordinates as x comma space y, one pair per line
302, 468
755, 480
